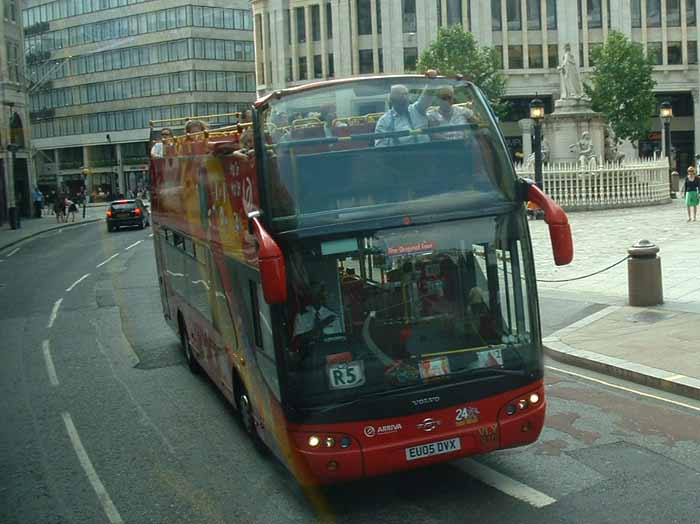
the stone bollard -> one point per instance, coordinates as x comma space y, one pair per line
644, 275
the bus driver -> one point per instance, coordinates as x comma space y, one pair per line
316, 320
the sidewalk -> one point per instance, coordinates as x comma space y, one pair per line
657, 346
30, 227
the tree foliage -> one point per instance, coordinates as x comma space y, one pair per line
621, 87
456, 52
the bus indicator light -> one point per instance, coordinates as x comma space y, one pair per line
345, 442
522, 404
511, 409
330, 442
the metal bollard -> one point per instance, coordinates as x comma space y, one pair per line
644, 281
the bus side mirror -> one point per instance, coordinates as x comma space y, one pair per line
559, 229
273, 271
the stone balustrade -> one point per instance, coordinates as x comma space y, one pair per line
610, 185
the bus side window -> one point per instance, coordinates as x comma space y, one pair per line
264, 342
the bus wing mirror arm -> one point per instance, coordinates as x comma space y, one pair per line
273, 271
554, 215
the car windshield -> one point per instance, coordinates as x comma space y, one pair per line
408, 307
381, 147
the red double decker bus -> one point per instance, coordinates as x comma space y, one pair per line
358, 279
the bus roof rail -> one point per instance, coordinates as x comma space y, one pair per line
152, 123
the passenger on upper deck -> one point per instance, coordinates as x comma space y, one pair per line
403, 116
157, 149
195, 126
447, 114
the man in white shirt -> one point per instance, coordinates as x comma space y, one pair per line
403, 117
157, 149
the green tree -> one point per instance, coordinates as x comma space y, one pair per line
456, 52
621, 87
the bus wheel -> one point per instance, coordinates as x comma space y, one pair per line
187, 349
245, 412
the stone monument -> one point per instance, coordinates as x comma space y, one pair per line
575, 133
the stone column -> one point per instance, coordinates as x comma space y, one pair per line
342, 44
310, 73
481, 23
525, 125
354, 39
375, 36
567, 24
621, 16
392, 36
427, 26
295, 46
324, 40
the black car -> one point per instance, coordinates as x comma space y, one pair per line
127, 213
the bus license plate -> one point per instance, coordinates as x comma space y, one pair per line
434, 448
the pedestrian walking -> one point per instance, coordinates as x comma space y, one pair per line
72, 209
691, 189
59, 208
38, 198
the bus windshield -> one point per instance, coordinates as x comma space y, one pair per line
381, 147
410, 307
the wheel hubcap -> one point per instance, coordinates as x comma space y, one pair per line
245, 413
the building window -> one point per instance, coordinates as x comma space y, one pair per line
692, 52
366, 61
331, 66
552, 14
533, 15
316, 22
318, 67
495, 15
553, 55
636, 9
301, 25
690, 12
675, 53
498, 54
654, 53
534, 55
11, 10
454, 12
410, 58
12, 61
595, 14
289, 70
380, 54
514, 18
303, 71
329, 20
409, 16
364, 17
288, 26
515, 57
653, 13
673, 13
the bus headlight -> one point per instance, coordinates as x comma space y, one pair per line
534, 398
314, 441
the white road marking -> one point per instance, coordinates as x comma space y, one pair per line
84, 459
623, 388
49, 364
150, 236
110, 258
77, 282
12, 252
134, 245
54, 312
675, 377
503, 483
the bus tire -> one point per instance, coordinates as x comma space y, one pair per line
245, 414
186, 348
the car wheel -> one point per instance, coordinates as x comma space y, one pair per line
187, 350
141, 224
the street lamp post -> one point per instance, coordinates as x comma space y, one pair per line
666, 114
537, 114
112, 181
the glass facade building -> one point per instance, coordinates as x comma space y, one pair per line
100, 70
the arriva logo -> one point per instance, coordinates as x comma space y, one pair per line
370, 431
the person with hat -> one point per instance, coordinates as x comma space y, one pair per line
691, 190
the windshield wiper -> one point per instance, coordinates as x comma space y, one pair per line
366, 396
492, 371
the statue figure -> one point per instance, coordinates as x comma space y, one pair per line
585, 149
571, 86
612, 154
